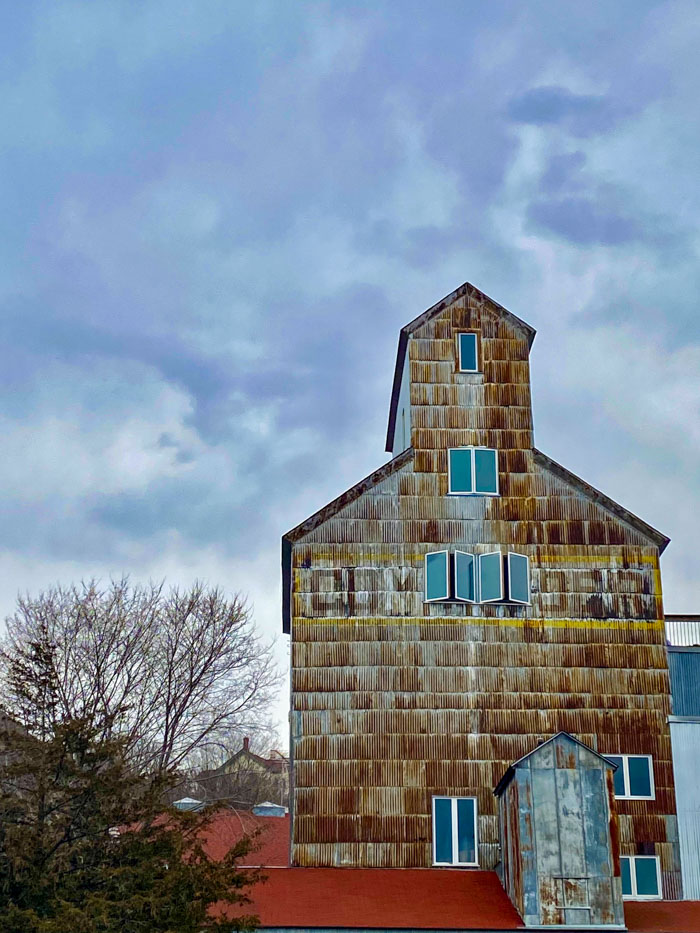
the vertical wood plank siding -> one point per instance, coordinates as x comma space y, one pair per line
395, 700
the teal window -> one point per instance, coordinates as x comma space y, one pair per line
454, 831
472, 471
490, 577
465, 577
437, 575
634, 778
468, 350
518, 578
641, 876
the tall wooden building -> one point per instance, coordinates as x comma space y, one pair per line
463, 604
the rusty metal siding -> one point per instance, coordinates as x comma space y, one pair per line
395, 700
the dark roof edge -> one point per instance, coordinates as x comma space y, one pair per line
510, 771
466, 289
396, 389
318, 518
660, 539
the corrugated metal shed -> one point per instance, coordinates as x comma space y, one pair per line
559, 836
685, 736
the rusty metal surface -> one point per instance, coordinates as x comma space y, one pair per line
559, 836
395, 700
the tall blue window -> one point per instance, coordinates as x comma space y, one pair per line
454, 831
641, 877
472, 471
468, 353
465, 577
437, 575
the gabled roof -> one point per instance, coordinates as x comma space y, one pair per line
505, 780
328, 511
659, 539
466, 289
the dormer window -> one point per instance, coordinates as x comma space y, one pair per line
468, 353
472, 471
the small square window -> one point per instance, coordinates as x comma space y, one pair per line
455, 840
468, 353
634, 778
472, 471
641, 876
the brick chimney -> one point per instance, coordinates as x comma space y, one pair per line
246, 744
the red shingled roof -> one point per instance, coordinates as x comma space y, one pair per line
270, 842
389, 898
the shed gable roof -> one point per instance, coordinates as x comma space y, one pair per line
541, 750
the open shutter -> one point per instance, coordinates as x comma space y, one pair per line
490, 577
518, 578
437, 576
465, 577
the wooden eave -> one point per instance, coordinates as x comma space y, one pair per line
318, 518
656, 537
505, 780
466, 289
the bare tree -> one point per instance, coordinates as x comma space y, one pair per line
172, 671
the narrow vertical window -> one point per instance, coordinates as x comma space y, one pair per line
518, 578
490, 577
437, 576
641, 876
454, 831
459, 470
485, 471
468, 353
465, 577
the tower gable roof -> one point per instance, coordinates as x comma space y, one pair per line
466, 289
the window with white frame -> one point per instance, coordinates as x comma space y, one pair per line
482, 578
455, 839
641, 876
634, 778
468, 353
472, 471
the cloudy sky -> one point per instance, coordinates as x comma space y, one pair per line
217, 215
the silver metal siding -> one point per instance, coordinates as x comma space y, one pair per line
685, 742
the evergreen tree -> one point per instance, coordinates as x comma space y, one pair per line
85, 844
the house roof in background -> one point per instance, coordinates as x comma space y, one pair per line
466, 289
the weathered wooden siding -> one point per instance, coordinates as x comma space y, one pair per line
394, 700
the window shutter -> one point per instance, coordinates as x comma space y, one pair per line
437, 576
490, 577
518, 578
465, 577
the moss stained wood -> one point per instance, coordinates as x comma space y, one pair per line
395, 700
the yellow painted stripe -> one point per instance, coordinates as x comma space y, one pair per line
657, 625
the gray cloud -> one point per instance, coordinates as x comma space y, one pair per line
215, 222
